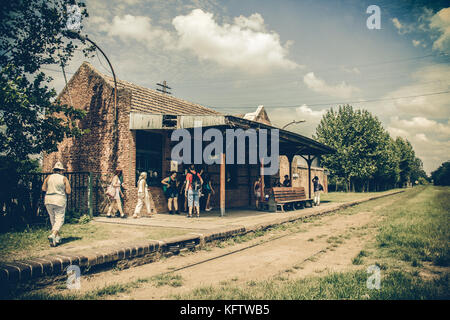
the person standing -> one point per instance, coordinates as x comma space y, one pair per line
317, 189
143, 196
170, 187
207, 190
192, 192
56, 187
257, 191
116, 201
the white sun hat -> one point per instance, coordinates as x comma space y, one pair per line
58, 166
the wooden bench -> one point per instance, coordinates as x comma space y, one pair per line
286, 199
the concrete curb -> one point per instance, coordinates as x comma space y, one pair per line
149, 251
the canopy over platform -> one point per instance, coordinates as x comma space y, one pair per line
290, 142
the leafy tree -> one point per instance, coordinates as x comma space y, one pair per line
366, 157
33, 34
441, 176
407, 157
364, 150
418, 175
388, 170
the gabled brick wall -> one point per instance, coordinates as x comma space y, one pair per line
94, 150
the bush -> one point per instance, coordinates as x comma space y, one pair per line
72, 216
84, 219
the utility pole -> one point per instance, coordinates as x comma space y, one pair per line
164, 87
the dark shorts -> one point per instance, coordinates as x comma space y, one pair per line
171, 193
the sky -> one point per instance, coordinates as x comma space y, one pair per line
297, 58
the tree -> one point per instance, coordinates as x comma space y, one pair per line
364, 150
33, 34
441, 176
406, 160
388, 170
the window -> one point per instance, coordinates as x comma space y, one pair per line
231, 176
149, 156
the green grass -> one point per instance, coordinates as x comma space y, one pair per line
414, 231
348, 196
108, 291
33, 240
419, 231
168, 279
350, 285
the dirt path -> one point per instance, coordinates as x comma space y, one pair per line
326, 244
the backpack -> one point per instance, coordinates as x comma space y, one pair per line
111, 191
196, 184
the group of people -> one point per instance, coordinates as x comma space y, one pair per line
190, 187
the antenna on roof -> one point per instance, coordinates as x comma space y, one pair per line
164, 87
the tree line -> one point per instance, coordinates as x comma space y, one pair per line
441, 176
367, 158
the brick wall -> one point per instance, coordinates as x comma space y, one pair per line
302, 171
94, 151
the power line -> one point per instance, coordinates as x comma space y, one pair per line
98, 58
342, 103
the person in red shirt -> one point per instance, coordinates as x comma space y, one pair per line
192, 191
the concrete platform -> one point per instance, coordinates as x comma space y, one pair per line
209, 227
236, 217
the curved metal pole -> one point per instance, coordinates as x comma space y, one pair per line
115, 135
292, 122
114, 76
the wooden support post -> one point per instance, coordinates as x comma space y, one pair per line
250, 186
309, 160
309, 174
222, 184
290, 158
262, 180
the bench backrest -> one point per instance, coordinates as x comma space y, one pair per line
286, 194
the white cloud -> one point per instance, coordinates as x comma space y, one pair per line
282, 116
441, 22
421, 137
422, 124
244, 44
402, 28
429, 23
309, 113
397, 23
137, 28
341, 90
430, 138
426, 80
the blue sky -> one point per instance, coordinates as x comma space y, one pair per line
297, 58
